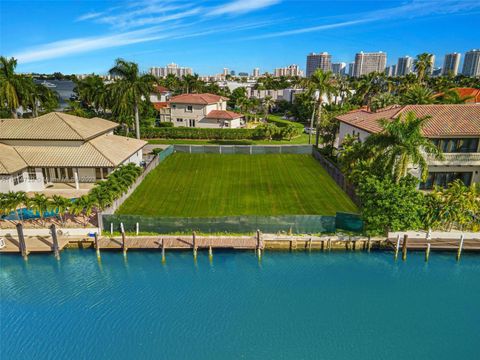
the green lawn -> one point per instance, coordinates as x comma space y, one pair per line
302, 139
200, 185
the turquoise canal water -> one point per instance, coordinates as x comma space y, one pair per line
339, 305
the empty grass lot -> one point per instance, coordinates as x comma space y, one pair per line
201, 185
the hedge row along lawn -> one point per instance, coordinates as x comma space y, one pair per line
277, 120
300, 140
200, 185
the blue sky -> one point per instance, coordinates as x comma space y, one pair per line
86, 36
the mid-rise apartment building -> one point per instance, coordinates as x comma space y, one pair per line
471, 63
318, 61
339, 68
450, 64
404, 66
291, 70
172, 68
366, 63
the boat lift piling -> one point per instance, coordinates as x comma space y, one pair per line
21, 242
56, 249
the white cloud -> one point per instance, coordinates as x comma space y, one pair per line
89, 16
242, 6
410, 10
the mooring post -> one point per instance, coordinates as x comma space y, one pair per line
329, 244
56, 249
397, 247
369, 243
404, 247
310, 244
259, 244
21, 241
124, 245
194, 241
137, 228
460, 247
111, 228
427, 252
210, 253
97, 247
164, 259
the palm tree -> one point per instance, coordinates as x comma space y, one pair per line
401, 144
452, 96
40, 204
61, 206
10, 85
419, 94
132, 87
92, 92
422, 65
83, 205
267, 103
12, 201
321, 83
35, 96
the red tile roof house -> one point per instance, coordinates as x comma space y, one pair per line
201, 111
454, 128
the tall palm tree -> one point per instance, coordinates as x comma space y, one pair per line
10, 85
60, 205
419, 94
422, 65
40, 204
320, 83
401, 144
84, 205
268, 103
130, 89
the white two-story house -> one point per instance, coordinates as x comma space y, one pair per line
201, 111
58, 148
455, 129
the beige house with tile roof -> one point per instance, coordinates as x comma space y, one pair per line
61, 148
454, 128
201, 111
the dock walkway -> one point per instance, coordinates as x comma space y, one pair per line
33, 244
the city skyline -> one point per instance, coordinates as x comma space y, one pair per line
267, 34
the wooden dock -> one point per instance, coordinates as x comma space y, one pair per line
178, 242
438, 244
33, 244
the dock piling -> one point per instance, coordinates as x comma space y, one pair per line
56, 249
427, 252
259, 244
404, 247
164, 259
124, 245
369, 244
194, 242
21, 241
460, 247
137, 228
210, 253
397, 247
97, 248
111, 228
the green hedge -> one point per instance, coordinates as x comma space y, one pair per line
202, 133
282, 122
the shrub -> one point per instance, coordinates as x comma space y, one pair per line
165, 124
201, 133
284, 123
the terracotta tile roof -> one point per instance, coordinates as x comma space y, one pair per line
466, 92
10, 160
446, 120
102, 151
160, 89
54, 126
200, 99
160, 105
223, 114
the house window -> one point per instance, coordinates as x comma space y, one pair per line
442, 179
98, 173
32, 175
189, 108
466, 145
18, 178
174, 106
179, 120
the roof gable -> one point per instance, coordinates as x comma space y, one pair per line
54, 126
200, 99
445, 120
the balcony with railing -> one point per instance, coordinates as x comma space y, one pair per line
456, 159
